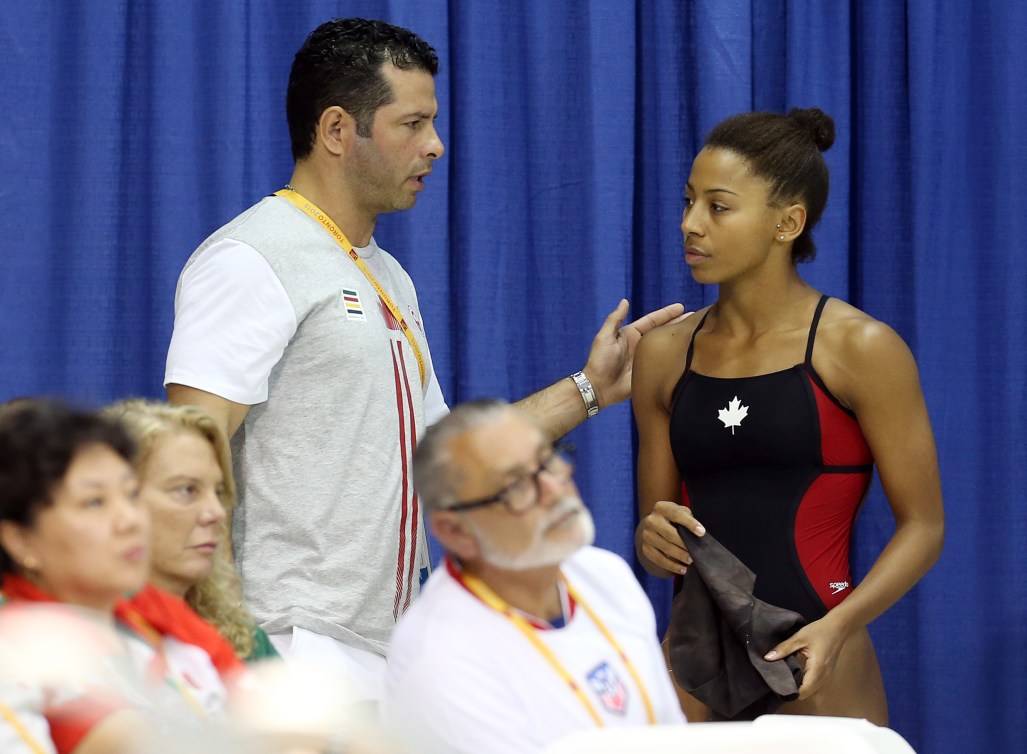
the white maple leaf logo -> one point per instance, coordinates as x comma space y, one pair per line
734, 413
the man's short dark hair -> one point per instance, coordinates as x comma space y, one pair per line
39, 440
340, 64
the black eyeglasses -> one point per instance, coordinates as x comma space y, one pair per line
524, 492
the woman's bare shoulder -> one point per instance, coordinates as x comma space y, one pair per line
853, 332
660, 359
671, 337
856, 353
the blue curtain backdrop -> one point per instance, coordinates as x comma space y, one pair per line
131, 130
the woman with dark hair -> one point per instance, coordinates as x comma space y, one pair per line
74, 536
761, 417
71, 532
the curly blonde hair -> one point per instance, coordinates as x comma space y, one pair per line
217, 598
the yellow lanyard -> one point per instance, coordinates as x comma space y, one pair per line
311, 209
12, 719
479, 589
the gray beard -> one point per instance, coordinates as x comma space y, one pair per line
541, 552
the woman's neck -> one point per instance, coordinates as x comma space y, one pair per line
169, 585
752, 307
98, 606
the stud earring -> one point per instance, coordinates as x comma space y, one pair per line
782, 238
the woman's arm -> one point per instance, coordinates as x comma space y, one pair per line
871, 370
658, 362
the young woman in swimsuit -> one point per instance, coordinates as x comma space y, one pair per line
760, 417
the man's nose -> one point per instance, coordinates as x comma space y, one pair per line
551, 485
435, 147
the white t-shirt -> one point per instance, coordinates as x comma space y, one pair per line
463, 678
233, 320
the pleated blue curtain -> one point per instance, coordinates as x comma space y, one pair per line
129, 131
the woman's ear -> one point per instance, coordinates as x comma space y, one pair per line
15, 542
791, 222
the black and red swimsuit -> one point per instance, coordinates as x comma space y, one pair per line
776, 469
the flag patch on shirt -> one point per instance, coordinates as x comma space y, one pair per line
387, 316
609, 688
351, 302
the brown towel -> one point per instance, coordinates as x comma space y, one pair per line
719, 633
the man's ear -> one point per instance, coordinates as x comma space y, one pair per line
453, 534
336, 130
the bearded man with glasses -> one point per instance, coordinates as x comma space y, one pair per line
527, 633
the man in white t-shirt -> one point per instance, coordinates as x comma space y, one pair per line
527, 633
311, 355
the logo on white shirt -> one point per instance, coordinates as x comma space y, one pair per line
609, 688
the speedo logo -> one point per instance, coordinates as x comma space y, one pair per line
838, 586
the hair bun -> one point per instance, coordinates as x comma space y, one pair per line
819, 124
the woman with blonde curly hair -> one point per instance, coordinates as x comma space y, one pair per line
185, 473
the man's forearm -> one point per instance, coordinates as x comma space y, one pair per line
558, 408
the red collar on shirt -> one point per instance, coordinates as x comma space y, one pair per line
169, 615
150, 614
16, 591
15, 587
